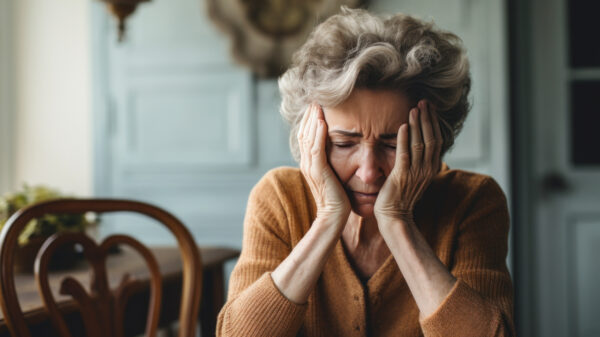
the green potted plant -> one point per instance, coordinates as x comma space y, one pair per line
38, 230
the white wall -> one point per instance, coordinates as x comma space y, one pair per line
53, 140
5, 98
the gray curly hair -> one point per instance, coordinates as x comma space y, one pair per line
356, 49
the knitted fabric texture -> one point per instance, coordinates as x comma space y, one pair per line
462, 215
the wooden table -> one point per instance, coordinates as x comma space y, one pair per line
213, 294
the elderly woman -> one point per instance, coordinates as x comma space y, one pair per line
373, 235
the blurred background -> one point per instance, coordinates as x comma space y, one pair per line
183, 112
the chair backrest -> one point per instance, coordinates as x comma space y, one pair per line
101, 312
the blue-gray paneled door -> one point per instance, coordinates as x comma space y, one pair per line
179, 124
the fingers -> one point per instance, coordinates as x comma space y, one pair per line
438, 135
416, 140
306, 127
311, 130
320, 137
304, 142
402, 150
428, 133
312, 139
424, 148
303, 123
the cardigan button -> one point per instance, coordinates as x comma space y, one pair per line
357, 328
356, 297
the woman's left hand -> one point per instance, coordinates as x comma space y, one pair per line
415, 166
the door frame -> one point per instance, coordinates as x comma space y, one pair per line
6, 97
521, 149
101, 100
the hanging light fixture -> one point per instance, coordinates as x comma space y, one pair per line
121, 9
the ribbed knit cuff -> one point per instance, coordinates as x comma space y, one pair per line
265, 311
462, 313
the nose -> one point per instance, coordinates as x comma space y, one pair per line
369, 166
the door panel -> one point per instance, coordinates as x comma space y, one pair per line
584, 249
179, 126
201, 121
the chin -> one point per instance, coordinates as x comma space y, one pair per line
364, 210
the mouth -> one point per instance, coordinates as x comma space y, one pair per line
365, 197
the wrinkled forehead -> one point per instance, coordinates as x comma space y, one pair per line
369, 112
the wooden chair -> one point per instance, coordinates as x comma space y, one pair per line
102, 310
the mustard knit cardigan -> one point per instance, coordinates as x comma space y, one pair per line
462, 215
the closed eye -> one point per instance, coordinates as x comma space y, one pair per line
343, 145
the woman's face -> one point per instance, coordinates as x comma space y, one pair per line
362, 142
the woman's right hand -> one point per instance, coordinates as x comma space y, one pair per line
297, 275
333, 206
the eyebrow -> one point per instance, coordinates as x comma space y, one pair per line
388, 135
351, 134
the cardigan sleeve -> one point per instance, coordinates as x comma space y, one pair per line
481, 302
255, 306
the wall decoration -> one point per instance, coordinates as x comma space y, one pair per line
265, 33
121, 9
